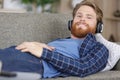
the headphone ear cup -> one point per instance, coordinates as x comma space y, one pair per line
70, 24
99, 27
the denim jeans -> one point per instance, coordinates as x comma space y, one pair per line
15, 60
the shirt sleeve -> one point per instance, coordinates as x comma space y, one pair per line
93, 62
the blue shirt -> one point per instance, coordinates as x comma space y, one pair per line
68, 47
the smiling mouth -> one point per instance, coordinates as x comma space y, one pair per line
82, 26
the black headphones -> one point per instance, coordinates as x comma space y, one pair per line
99, 27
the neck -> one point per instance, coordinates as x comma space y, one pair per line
73, 37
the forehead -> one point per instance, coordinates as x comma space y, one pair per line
86, 9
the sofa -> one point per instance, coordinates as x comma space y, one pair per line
16, 28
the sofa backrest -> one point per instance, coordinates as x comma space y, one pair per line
16, 28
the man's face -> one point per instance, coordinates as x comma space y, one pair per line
84, 22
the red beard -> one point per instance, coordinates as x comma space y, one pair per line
80, 32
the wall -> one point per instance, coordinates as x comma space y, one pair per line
111, 23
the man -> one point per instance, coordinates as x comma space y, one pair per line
80, 55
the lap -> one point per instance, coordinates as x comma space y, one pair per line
21, 65
15, 60
12, 53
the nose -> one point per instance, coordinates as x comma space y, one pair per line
82, 19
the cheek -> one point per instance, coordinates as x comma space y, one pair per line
93, 26
93, 23
75, 21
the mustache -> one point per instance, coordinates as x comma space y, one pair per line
78, 23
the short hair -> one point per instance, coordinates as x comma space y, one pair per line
91, 4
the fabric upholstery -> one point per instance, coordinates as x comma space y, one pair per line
16, 28
34, 27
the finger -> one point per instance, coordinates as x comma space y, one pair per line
20, 47
50, 48
25, 50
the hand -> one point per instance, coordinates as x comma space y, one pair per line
34, 48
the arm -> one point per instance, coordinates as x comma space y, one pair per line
87, 65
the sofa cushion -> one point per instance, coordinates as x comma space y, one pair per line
107, 75
19, 27
117, 66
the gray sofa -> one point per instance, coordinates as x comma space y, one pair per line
16, 28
